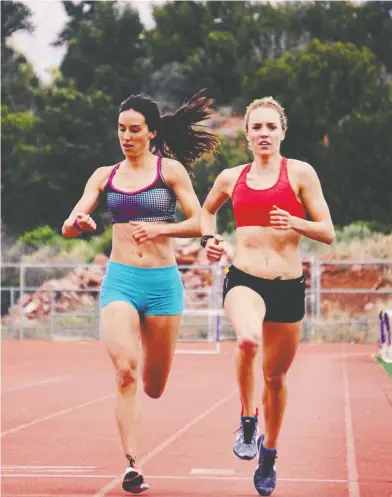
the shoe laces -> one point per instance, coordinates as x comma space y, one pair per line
247, 429
267, 466
131, 460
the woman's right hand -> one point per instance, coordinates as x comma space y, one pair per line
84, 222
214, 249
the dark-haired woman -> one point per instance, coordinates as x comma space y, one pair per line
142, 294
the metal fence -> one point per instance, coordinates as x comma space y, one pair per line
62, 301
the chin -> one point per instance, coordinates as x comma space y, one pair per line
129, 154
265, 154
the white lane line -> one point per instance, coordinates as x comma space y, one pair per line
107, 488
212, 471
55, 414
353, 485
167, 477
45, 468
36, 383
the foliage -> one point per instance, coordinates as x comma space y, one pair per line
327, 62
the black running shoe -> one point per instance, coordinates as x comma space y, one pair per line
264, 478
133, 480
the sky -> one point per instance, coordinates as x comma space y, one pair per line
49, 18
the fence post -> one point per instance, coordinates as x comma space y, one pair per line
21, 298
212, 302
210, 318
99, 315
318, 290
52, 314
12, 311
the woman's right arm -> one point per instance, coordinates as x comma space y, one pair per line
79, 220
216, 198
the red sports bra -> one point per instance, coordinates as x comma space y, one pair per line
252, 207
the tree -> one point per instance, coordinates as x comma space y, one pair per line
19, 81
320, 85
221, 44
355, 168
15, 16
366, 24
105, 48
20, 168
48, 157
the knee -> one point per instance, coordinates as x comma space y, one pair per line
126, 374
154, 391
249, 345
275, 382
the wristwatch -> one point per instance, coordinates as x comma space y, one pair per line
204, 240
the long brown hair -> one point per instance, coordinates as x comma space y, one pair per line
181, 134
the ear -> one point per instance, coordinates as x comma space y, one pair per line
152, 134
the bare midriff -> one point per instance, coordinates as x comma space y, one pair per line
266, 252
158, 252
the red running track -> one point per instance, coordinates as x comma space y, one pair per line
59, 436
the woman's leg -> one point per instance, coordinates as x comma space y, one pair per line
246, 311
280, 342
159, 336
121, 332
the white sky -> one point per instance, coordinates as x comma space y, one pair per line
49, 18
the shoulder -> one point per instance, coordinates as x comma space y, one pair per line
226, 180
231, 174
172, 166
302, 171
101, 175
173, 171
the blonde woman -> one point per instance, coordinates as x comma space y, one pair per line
264, 290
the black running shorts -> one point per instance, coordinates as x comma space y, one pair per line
284, 299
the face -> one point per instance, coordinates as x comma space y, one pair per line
264, 132
133, 133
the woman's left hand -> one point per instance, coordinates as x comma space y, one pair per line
280, 219
143, 232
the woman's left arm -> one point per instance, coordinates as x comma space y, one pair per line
178, 179
320, 228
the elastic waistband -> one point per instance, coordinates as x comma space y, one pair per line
279, 279
136, 269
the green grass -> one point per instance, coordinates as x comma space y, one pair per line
387, 367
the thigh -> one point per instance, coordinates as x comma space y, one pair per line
121, 332
280, 343
246, 310
159, 335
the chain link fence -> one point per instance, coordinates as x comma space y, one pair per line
42, 301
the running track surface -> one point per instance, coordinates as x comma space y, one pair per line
59, 436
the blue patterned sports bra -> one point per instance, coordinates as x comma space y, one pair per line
155, 202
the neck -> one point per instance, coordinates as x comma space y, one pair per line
139, 161
267, 161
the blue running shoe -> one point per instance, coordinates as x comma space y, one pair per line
133, 480
264, 478
245, 446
